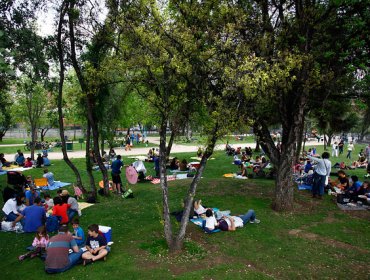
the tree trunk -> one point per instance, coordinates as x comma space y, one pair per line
88, 160
179, 240
258, 148
164, 185
170, 143
284, 185
89, 99
63, 11
33, 142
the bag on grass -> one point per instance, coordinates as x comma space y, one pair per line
52, 223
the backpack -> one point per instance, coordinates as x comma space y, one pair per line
52, 223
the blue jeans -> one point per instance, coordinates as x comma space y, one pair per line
71, 214
318, 184
10, 217
349, 154
249, 216
74, 258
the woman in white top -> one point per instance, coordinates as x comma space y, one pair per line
322, 171
10, 208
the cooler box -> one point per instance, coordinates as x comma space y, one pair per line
107, 232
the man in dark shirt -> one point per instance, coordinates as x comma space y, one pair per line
116, 177
96, 245
58, 258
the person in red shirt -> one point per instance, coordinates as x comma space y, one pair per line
60, 209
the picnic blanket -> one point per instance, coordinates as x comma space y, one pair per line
83, 205
199, 222
16, 168
304, 187
56, 185
229, 175
139, 157
352, 207
199, 158
2, 172
169, 178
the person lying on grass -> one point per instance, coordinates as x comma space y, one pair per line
228, 223
96, 246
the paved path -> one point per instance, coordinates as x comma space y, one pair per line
176, 148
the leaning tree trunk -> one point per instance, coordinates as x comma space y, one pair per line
88, 160
63, 12
89, 99
170, 143
179, 240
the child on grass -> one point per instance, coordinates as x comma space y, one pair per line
39, 244
78, 233
96, 246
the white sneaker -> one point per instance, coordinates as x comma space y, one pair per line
255, 221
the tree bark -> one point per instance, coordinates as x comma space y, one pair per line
63, 12
89, 99
179, 240
164, 185
88, 160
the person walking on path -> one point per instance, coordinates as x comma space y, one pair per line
350, 148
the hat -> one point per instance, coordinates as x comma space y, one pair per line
64, 193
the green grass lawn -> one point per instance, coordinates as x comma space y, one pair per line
316, 241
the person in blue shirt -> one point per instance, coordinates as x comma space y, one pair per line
78, 233
116, 177
20, 159
46, 160
31, 195
34, 216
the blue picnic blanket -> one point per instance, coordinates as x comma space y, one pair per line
199, 222
304, 187
56, 185
3, 172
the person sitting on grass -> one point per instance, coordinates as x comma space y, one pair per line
31, 195
34, 216
58, 259
49, 176
10, 208
96, 246
78, 233
61, 209
46, 160
39, 244
49, 203
28, 163
343, 184
210, 223
39, 161
230, 223
73, 210
3, 161
183, 165
20, 160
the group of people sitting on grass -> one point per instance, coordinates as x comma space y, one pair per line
21, 160
351, 187
221, 220
48, 215
67, 248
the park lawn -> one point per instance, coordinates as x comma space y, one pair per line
198, 140
317, 240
